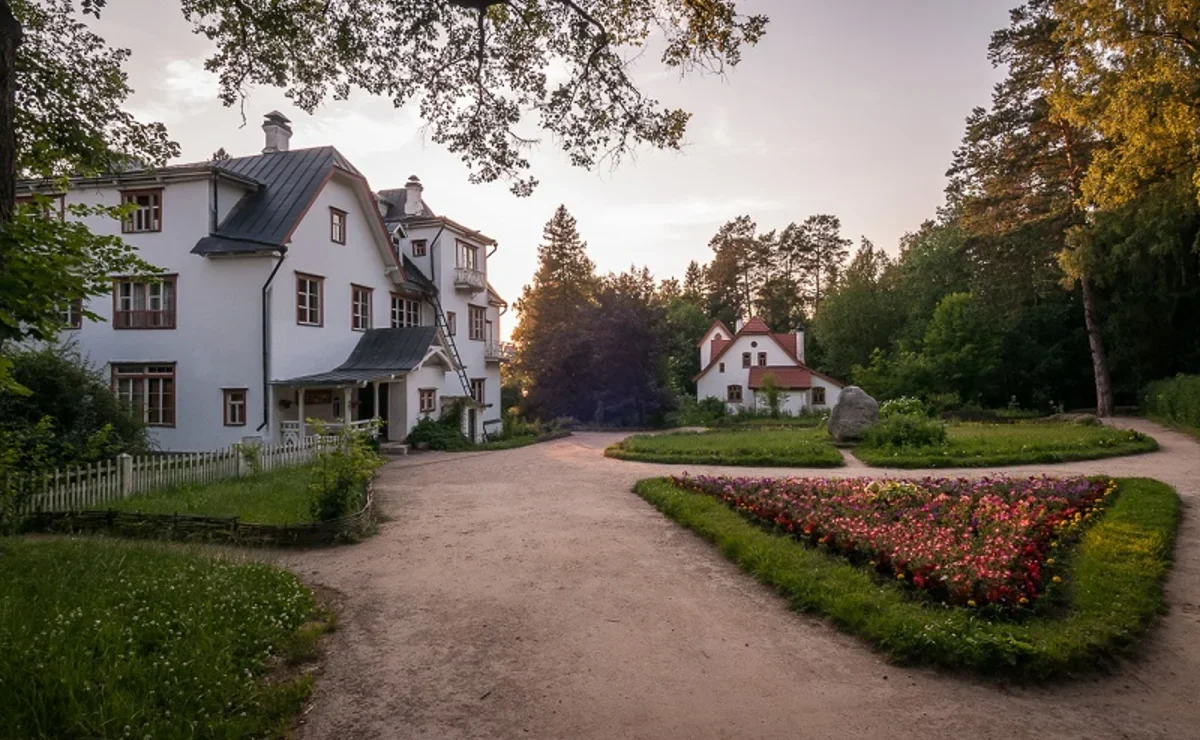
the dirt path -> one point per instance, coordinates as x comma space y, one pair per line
528, 593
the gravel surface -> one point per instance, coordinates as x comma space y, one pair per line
529, 593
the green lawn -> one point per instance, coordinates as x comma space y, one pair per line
975, 445
110, 640
797, 448
1114, 577
766, 422
277, 497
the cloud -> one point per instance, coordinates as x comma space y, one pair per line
187, 83
357, 134
720, 133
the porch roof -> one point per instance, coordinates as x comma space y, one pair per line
379, 354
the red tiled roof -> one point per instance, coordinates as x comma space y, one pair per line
788, 342
718, 346
718, 324
788, 377
755, 326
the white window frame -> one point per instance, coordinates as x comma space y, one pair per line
144, 304
310, 299
478, 317
741, 394
452, 322
360, 307
72, 314
337, 225
424, 247
136, 384
147, 217
479, 390
468, 256
235, 408
406, 312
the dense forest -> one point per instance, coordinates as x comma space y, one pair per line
1063, 268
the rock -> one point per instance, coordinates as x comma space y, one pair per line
854, 413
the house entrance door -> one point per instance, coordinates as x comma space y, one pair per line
366, 406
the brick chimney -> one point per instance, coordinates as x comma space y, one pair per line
278, 130
412, 196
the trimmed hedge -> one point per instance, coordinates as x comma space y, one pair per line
792, 448
1174, 401
1115, 578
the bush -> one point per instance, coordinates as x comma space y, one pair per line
443, 433
1174, 400
341, 475
905, 405
906, 430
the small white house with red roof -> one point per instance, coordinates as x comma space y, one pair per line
735, 366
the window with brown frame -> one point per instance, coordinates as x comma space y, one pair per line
452, 322
147, 213
337, 225
818, 395
427, 400
310, 300
72, 314
745, 359
406, 312
477, 318
235, 407
721, 367
468, 256
420, 247
762, 358
141, 304
360, 307
478, 389
147, 390
48, 203
733, 394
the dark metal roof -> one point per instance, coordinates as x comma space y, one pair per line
396, 198
379, 353
266, 217
415, 279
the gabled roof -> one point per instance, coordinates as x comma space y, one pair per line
718, 324
754, 326
266, 218
379, 353
788, 377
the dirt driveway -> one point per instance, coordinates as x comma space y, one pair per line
529, 594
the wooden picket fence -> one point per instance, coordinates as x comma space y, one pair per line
92, 486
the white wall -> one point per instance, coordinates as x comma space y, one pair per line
715, 383
213, 298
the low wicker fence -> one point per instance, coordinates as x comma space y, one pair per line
205, 529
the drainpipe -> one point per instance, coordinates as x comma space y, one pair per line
433, 245
266, 347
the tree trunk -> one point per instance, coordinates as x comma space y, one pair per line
1104, 396
10, 39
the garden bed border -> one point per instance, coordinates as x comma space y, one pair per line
206, 529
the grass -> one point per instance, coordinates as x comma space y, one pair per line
277, 497
110, 640
975, 445
798, 448
808, 421
1113, 585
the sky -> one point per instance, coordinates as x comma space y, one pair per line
851, 108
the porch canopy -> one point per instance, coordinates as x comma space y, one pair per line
381, 354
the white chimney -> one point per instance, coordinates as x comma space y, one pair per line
278, 131
737, 325
800, 344
412, 196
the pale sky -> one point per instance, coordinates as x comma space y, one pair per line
850, 108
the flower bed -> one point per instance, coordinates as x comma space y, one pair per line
965, 542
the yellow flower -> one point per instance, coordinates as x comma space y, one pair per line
1024, 600
899, 576
1056, 579
971, 603
1049, 561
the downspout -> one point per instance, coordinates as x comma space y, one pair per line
266, 347
433, 245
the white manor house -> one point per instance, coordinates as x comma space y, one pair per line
290, 290
735, 365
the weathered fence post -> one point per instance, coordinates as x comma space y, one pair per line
243, 466
125, 470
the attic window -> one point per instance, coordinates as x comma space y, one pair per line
419, 247
337, 226
147, 214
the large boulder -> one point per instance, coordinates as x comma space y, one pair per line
854, 413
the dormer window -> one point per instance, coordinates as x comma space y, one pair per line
337, 226
147, 213
420, 247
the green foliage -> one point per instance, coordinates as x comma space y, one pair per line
983, 445
793, 448
340, 476
108, 640
903, 406
775, 396
443, 433
905, 430
704, 413
67, 413
1174, 400
961, 348
479, 70
1116, 573
277, 497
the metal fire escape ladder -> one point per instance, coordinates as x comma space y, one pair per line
448, 340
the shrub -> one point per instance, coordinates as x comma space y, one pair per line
905, 405
692, 413
906, 430
1174, 400
443, 433
341, 475
776, 397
